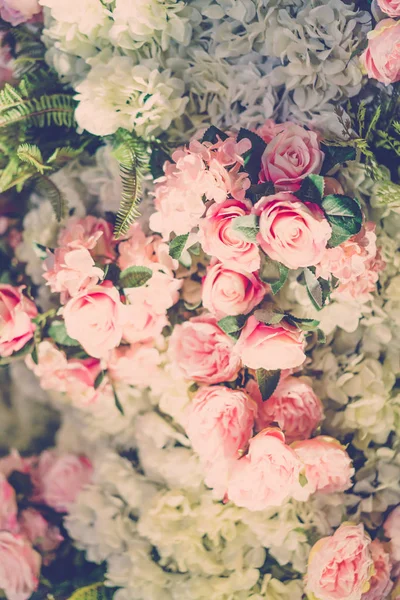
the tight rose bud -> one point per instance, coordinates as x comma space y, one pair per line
381, 60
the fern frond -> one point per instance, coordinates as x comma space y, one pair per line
388, 194
64, 154
48, 189
31, 154
133, 159
15, 175
55, 109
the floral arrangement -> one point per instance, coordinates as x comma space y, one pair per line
222, 358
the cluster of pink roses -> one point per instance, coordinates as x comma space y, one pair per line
381, 59
27, 538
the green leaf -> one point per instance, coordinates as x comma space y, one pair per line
303, 479
253, 156
344, 216
303, 324
283, 275
49, 190
212, 134
135, 276
274, 273
34, 354
95, 591
32, 155
99, 379
247, 227
267, 382
336, 155
321, 337
118, 403
64, 155
59, 334
259, 190
269, 314
314, 289
233, 325
312, 189
177, 245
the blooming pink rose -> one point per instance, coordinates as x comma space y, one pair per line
69, 272
381, 59
269, 130
92, 233
202, 352
19, 567
220, 240
267, 475
142, 322
390, 7
292, 232
227, 292
18, 11
340, 566
290, 157
40, 533
270, 346
380, 582
136, 365
392, 531
95, 318
59, 479
16, 314
293, 405
8, 505
328, 467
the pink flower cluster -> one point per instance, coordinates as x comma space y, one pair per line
27, 538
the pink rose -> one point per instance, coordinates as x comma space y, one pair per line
380, 582
69, 272
293, 405
270, 346
392, 531
340, 566
220, 240
227, 292
8, 505
59, 479
328, 467
220, 422
202, 352
95, 318
390, 7
142, 322
18, 11
381, 59
19, 567
290, 157
39, 532
269, 130
267, 475
136, 365
16, 314
292, 232
92, 233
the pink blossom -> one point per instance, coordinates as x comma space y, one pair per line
95, 318
227, 292
292, 232
390, 7
69, 272
392, 531
16, 314
340, 566
8, 505
40, 533
293, 405
136, 365
142, 322
19, 11
219, 239
160, 292
380, 582
92, 233
19, 567
267, 475
381, 59
328, 467
270, 346
201, 351
148, 251
290, 157
269, 130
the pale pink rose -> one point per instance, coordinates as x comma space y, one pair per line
390, 7
136, 365
19, 567
69, 272
8, 505
58, 479
267, 475
202, 352
16, 314
380, 582
92, 233
392, 531
219, 239
219, 422
15, 462
293, 405
41, 534
270, 346
290, 157
95, 318
328, 467
80, 376
292, 232
340, 566
269, 130
148, 251
381, 59
19, 11
142, 322
227, 292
